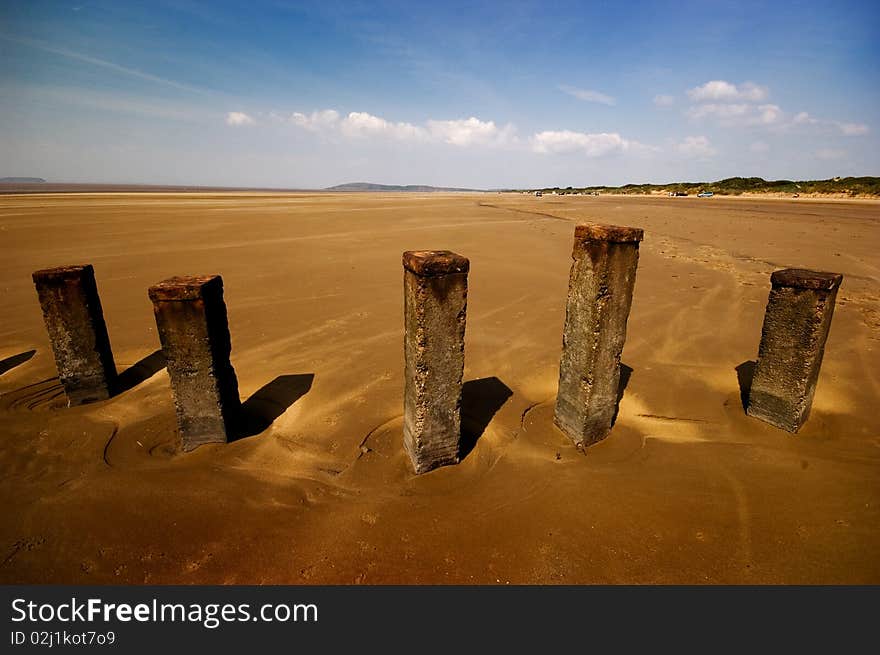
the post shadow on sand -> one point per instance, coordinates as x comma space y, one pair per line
480, 400
140, 372
11, 362
745, 372
271, 401
625, 374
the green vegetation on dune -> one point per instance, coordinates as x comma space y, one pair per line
734, 186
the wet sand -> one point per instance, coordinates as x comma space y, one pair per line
687, 489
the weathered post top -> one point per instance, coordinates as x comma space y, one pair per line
429, 263
612, 233
187, 287
60, 274
801, 278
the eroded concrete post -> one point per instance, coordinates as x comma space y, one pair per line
435, 306
796, 325
75, 323
600, 289
191, 317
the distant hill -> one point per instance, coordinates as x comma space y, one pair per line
368, 186
22, 180
854, 187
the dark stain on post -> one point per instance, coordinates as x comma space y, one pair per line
75, 323
796, 325
193, 328
435, 309
600, 292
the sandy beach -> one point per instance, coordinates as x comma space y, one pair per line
686, 489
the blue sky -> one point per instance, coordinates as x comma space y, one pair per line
292, 94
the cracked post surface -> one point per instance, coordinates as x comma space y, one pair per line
600, 289
75, 323
796, 325
435, 307
191, 318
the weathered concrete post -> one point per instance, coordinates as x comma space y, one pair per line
191, 317
796, 325
435, 306
75, 322
600, 289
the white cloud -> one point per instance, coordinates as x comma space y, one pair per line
238, 118
362, 124
853, 129
471, 131
466, 132
759, 147
663, 100
460, 132
695, 146
731, 105
317, 120
720, 90
803, 118
593, 145
588, 96
768, 115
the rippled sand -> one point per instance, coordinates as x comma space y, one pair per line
687, 489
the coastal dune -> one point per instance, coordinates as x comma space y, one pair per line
318, 490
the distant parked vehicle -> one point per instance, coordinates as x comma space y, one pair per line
679, 193
705, 194
538, 193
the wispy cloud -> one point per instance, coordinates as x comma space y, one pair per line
102, 63
587, 95
738, 113
853, 129
239, 118
105, 101
723, 111
697, 147
664, 100
830, 153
